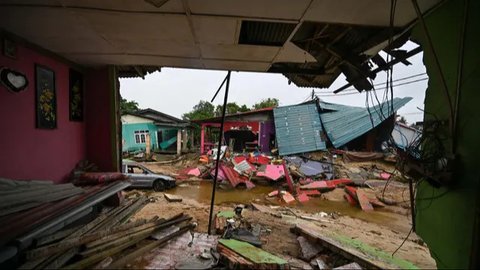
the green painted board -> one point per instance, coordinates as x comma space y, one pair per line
373, 252
252, 253
354, 248
226, 214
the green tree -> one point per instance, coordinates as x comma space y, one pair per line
232, 107
202, 110
266, 103
127, 107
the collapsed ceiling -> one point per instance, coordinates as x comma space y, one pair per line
310, 41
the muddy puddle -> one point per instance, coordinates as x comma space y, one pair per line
201, 191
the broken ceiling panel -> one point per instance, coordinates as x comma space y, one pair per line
339, 48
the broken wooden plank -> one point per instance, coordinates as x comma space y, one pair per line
308, 249
288, 177
318, 185
172, 198
355, 250
350, 199
263, 208
302, 197
363, 201
259, 257
232, 260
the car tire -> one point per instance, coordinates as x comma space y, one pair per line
158, 185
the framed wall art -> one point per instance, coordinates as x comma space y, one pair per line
45, 98
9, 48
76, 95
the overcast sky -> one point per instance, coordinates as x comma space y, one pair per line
175, 91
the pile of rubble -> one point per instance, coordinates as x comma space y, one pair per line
299, 178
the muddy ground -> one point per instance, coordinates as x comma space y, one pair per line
384, 229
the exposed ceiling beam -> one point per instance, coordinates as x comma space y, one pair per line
192, 30
389, 64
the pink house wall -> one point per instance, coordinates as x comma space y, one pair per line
30, 153
98, 115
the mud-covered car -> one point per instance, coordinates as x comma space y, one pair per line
141, 177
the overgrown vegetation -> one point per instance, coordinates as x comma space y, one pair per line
205, 109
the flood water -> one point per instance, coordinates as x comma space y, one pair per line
201, 191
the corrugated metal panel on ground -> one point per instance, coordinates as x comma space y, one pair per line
298, 129
346, 124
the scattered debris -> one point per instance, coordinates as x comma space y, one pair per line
172, 198
302, 197
194, 172
352, 249
287, 197
273, 172
307, 249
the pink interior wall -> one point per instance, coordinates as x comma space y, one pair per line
25, 151
98, 115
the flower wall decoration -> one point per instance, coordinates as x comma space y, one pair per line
76, 96
45, 98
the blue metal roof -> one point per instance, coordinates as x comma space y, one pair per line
298, 129
345, 123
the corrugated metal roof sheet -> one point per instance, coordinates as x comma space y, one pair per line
298, 129
346, 123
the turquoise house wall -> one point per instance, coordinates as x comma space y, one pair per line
447, 218
128, 131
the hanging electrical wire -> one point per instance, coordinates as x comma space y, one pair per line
382, 83
377, 89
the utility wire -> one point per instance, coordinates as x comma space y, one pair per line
383, 88
383, 83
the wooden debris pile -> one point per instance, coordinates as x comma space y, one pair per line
109, 240
31, 210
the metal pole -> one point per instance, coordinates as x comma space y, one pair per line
219, 150
220, 87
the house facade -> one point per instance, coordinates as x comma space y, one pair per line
253, 130
163, 132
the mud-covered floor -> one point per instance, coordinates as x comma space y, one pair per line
383, 230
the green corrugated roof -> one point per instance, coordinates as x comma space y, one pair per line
298, 129
345, 123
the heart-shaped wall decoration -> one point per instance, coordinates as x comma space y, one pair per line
13, 80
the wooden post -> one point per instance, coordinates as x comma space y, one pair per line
192, 139
147, 145
184, 140
202, 139
179, 141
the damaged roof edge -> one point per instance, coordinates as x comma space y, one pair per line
344, 125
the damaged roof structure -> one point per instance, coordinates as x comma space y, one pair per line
311, 127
